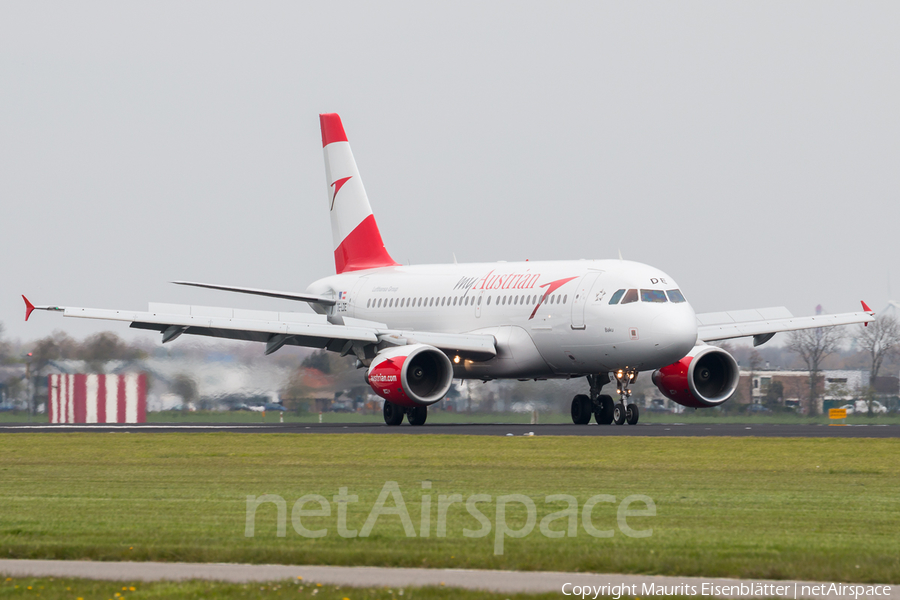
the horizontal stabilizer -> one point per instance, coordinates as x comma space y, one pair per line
257, 292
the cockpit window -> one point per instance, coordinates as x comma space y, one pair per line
653, 296
675, 295
616, 297
630, 296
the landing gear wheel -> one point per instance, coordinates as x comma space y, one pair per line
416, 416
603, 413
619, 413
631, 414
581, 410
393, 414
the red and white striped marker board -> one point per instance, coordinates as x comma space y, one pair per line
91, 398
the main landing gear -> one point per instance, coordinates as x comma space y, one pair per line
393, 414
601, 406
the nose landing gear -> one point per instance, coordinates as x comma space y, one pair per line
625, 413
604, 410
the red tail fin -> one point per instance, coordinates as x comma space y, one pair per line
357, 240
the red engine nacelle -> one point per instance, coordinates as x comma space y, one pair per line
414, 375
707, 376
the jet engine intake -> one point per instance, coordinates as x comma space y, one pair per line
414, 375
707, 376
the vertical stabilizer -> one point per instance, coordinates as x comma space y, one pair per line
357, 241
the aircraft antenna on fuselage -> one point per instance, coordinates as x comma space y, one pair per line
357, 240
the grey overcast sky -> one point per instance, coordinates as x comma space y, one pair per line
748, 149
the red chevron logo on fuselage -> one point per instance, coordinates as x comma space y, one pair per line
551, 287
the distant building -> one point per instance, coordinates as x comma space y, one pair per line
791, 388
97, 398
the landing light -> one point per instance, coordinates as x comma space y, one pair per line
456, 359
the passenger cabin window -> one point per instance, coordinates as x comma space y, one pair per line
630, 296
616, 297
653, 296
675, 296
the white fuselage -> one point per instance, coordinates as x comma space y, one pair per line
549, 319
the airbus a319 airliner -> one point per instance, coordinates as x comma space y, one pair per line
416, 328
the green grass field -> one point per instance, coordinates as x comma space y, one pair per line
820, 509
73, 589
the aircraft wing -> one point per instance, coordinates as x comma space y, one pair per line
764, 323
277, 329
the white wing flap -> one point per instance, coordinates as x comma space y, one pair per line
738, 316
156, 308
727, 331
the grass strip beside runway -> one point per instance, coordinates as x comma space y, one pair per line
72, 589
815, 509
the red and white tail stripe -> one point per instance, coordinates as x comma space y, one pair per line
93, 398
357, 241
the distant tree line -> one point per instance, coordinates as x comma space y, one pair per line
95, 350
877, 342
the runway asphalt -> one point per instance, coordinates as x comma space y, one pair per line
495, 581
645, 430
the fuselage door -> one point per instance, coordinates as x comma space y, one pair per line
354, 297
582, 296
478, 299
